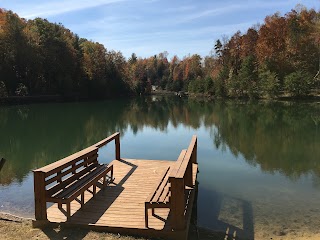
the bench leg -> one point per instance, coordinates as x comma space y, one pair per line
60, 205
94, 189
146, 216
112, 175
82, 199
104, 181
68, 211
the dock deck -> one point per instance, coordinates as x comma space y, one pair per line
120, 206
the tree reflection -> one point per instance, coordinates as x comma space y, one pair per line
282, 137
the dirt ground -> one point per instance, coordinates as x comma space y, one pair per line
16, 228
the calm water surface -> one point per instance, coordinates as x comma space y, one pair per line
259, 162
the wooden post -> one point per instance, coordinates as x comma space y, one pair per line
177, 203
194, 152
117, 145
2, 161
40, 196
188, 175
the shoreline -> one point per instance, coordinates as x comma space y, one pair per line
25, 100
13, 227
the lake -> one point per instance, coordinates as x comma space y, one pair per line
259, 162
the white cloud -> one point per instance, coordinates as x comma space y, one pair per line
180, 9
229, 9
212, 12
59, 7
181, 34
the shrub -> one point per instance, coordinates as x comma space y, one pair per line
269, 83
3, 90
21, 90
298, 83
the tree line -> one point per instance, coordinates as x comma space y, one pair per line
282, 55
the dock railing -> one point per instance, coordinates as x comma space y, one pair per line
116, 138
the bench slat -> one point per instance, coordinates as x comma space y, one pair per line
102, 172
57, 187
153, 192
161, 188
71, 189
166, 192
65, 162
90, 159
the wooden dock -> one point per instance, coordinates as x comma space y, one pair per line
150, 198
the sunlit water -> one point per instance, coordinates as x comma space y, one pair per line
259, 162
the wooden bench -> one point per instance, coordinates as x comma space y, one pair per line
70, 177
65, 180
170, 191
159, 196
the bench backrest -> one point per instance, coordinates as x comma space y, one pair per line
183, 166
160, 193
181, 170
61, 173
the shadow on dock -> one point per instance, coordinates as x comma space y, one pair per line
95, 203
222, 217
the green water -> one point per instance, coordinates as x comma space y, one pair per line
259, 162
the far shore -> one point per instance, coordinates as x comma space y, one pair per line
18, 100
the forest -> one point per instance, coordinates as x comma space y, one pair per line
280, 56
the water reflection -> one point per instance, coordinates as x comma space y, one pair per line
278, 137
231, 218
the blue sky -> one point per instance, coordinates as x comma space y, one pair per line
148, 27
